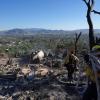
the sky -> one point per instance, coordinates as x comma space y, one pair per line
48, 14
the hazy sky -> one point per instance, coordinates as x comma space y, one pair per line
49, 14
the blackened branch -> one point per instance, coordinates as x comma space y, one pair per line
96, 12
86, 2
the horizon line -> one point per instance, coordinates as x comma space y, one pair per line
46, 29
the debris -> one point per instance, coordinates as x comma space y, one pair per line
26, 71
34, 81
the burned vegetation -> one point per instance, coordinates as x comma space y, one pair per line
32, 68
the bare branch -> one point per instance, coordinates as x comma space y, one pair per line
92, 1
79, 35
92, 4
89, 1
86, 2
96, 12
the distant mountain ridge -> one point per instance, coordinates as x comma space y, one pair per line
34, 31
86, 30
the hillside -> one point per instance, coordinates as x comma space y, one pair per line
35, 31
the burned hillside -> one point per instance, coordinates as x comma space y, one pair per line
32, 68
21, 78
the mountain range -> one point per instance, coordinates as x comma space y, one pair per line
35, 31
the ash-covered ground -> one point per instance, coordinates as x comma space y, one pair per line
36, 82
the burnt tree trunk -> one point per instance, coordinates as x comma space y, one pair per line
91, 30
77, 36
90, 4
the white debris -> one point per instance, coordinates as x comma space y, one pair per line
39, 55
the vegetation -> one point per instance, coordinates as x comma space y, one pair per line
19, 46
